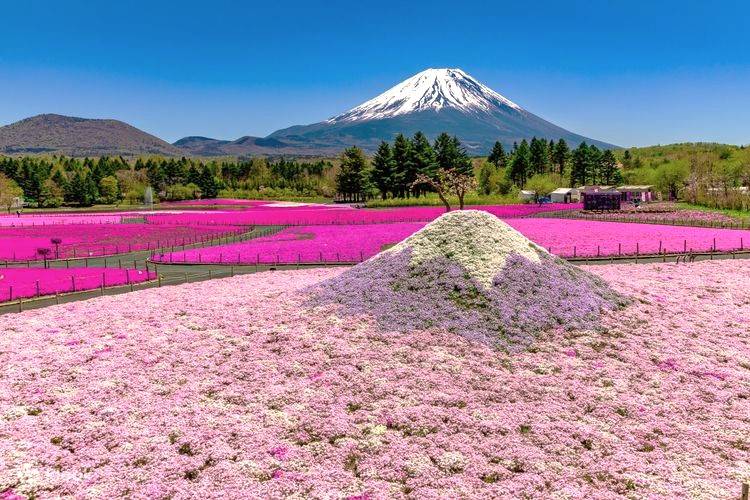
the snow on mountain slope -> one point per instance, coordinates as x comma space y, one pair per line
432, 89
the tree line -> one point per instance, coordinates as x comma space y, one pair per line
396, 169
52, 181
538, 164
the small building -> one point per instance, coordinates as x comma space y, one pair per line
640, 194
526, 195
595, 188
601, 200
565, 195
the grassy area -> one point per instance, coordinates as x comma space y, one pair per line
91, 209
740, 214
432, 199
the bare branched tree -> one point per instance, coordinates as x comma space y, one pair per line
446, 183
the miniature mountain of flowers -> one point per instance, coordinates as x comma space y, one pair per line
472, 274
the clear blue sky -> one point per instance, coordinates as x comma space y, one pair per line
627, 72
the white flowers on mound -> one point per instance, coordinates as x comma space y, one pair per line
477, 240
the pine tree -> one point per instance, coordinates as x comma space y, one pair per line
608, 168
208, 184
352, 179
560, 156
550, 154
578, 165
484, 185
422, 161
593, 165
538, 156
382, 171
520, 166
497, 156
451, 155
401, 160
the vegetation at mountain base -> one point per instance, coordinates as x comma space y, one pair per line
714, 176
49, 182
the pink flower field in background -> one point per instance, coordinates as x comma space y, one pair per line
21, 283
658, 213
302, 244
566, 237
236, 388
273, 215
85, 240
58, 219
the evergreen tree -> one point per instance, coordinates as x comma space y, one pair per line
550, 155
193, 176
382, 171
560, 156
352, 179
422, 161
608, 168
484, 185
402, 165
593, 165
451, 155
538, 156
520, 166
497, 155
579, 160
81, 189
208, 184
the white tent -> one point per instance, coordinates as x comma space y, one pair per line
565, 195
526, 195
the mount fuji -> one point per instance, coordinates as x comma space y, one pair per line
433, 101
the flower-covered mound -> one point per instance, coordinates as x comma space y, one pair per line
470, 273
234, 388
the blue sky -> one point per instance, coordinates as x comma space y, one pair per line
627, 72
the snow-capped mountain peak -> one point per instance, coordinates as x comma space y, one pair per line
432, 89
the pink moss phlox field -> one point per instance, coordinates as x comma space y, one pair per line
609, 238
305, 244
21, 283
233, 388
664, 212
58, 219
22, 243
303, 215
351, 243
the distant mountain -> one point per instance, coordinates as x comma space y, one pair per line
433, 101
58, 134
245, 146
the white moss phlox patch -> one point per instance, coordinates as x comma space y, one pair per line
477, 240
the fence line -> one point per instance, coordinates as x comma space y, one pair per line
742, 224
80, 252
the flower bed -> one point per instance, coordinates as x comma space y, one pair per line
568, 238
22, 283
88, 240
234, 388
58, 219
301, 244
270, 215
657, 213
564, 237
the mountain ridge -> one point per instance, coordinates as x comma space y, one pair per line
432, 101
75, 136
